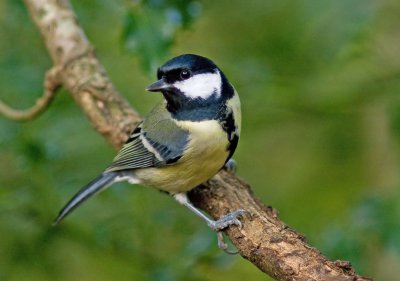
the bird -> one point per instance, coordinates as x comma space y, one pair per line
184, 141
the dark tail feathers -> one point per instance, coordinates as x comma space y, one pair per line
95, 186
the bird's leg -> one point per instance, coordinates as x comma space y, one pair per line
216, 225
230, 166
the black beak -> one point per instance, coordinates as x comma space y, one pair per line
160, 85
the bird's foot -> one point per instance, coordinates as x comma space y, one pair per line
227, 220
230, 166
222, 245
224, 222
217, 225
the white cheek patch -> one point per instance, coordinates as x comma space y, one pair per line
201, 85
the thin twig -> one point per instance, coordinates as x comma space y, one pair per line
51, 84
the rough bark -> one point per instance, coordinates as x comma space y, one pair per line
81, 72
264, 240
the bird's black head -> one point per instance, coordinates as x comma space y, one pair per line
181, 67
192, 84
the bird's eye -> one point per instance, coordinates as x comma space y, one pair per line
185, 74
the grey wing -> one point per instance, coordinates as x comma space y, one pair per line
156, 142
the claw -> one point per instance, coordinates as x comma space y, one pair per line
222, 245
227, 220
218, 225
224, 222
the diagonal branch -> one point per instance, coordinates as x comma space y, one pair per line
264, 240
51, 85
82, 74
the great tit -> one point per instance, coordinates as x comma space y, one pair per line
184, 141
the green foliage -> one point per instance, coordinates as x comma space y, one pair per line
370, 236
150, 28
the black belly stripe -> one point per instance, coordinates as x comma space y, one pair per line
228, 124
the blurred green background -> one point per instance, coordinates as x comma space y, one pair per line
319, 83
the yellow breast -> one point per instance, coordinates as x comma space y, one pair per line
205, 155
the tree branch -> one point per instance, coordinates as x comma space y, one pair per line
264, 240
82, 74
51, 85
